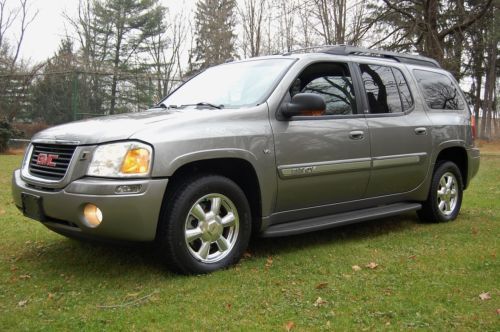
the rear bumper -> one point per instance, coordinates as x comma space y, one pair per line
473, 161
128, 217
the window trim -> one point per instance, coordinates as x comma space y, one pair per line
393, 69
454, 84
364, 98
359, 107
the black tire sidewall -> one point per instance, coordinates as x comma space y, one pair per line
433, 205
175, 217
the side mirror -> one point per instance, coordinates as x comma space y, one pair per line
303, 102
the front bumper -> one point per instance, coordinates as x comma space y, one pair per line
128, 217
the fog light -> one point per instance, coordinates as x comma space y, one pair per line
128, 189
93, 215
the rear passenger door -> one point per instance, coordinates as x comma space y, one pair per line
399, 130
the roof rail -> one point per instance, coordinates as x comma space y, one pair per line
321, 48
405, 58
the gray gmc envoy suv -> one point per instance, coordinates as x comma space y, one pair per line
273, 146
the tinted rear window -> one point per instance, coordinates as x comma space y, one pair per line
439, 91
381, 89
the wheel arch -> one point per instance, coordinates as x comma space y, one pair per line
457, 155
239, 170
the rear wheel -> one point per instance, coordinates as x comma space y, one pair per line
445, 196
206, 225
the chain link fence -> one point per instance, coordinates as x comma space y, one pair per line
59, 97
31, 102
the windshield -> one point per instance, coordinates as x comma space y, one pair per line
230, 85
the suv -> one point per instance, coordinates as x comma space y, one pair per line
273, 146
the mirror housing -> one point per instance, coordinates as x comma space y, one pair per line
303, 102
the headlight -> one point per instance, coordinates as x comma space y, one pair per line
124, 159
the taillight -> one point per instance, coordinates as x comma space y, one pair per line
473, 126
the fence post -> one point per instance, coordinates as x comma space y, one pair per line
74, 96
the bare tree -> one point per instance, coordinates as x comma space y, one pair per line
251, 15
25, 16
165, 50
422, 25
15, 75
331, 15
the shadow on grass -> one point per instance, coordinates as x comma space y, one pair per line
107, 260
262, 247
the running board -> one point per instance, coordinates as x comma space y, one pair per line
320, 223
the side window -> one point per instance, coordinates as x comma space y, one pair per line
439, 91
404, 90
333, 82
381, 89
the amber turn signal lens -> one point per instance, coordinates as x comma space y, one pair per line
136, 162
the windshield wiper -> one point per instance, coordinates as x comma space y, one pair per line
202, 103
162, 105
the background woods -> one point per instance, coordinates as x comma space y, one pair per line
124, 55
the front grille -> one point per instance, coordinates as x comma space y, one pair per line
50, 161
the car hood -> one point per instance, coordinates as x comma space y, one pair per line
118, 127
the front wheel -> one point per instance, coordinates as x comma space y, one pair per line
206, 225
445, 196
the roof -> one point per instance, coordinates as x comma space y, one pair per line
352, 50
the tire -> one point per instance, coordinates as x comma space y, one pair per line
205, 226
445, 195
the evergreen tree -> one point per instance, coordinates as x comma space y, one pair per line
123, 26
215, 37
51, 94
432, 27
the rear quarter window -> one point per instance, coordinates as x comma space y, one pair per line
440, 93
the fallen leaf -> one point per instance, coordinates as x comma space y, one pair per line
229, 306
50, 296
498, 311
2, 212
412, 257
269, 262
321, 285
356, 268
24, 276
247, 254
372, 265
289, 326
133, 295
22, 303
319, 302
485, 296
474, 230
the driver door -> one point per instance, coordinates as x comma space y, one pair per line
322, 159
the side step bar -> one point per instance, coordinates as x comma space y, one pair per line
324, 222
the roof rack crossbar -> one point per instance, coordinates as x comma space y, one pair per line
405, 58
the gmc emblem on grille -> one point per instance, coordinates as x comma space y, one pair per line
44, 159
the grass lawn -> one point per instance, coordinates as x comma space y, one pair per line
429, 276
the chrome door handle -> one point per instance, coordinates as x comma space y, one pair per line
357, 134
421, 131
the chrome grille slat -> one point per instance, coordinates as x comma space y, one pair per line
64, 154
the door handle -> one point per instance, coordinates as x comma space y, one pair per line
421, 131
357, 134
